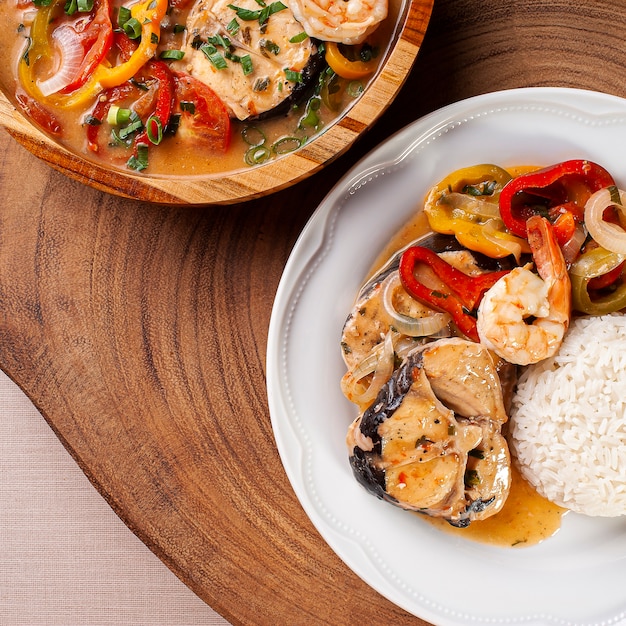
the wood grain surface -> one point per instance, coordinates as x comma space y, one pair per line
139, 330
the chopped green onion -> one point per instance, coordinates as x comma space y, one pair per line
140, 162
257, 155
311, 117
117, 140
284, 145
219, 40
214, 56
253, 136
154, 38
172, 55
293, 76
245, 14
154, 130
233, 27
246, 64
117, 115
135, 125
132, 28
71, 6
123, 16
299, 37
355, 88
267, 46
179, 28
261, 84
262, 16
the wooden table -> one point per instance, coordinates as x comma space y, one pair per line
140, 331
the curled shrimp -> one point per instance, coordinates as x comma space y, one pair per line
340, 21
521, 294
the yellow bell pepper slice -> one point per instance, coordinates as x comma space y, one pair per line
475, 221
148, 13
344, 67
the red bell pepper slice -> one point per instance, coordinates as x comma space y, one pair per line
464, 292
537, 192
163, 108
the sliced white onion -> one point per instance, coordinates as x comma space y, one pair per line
608, 235
380, 362
72, 54
469, 204
571, 248
510, 245
431, 323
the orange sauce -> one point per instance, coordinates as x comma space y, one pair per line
525, 519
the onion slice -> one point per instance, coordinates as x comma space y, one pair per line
606, 234
474, 206
380, 362
429, 324
511, 245
572, 247
68, 42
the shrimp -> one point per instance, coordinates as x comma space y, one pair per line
340, 21
521, 294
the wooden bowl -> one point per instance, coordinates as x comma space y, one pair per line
411, 18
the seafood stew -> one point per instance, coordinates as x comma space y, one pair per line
439, 334
189, 87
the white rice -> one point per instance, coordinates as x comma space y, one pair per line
568, 421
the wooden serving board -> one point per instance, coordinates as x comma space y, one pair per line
139, 330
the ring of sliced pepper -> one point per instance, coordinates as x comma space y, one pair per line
470, 232
463, 293
539, 191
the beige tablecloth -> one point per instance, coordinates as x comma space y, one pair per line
65, 557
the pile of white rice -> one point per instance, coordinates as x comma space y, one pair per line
568, 421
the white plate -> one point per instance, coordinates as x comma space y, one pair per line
576, 577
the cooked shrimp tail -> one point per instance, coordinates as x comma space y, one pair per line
341, 21
522, 294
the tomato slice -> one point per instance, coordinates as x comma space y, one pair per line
204, 118
97, 37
